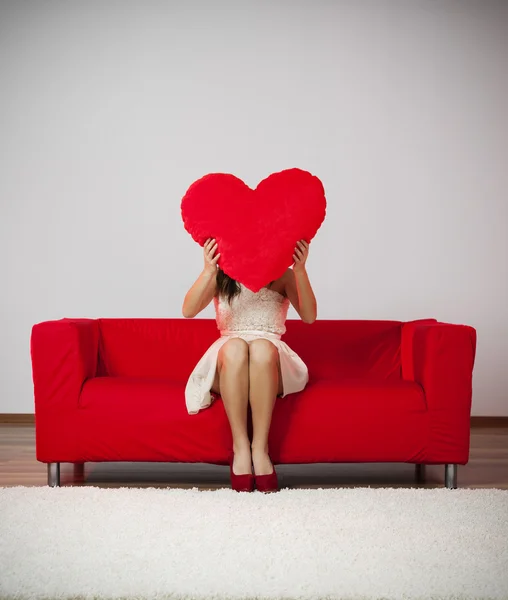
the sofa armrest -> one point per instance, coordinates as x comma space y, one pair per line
64, 355
442, 357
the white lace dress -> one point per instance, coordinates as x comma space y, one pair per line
251, 315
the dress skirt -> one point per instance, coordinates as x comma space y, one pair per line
198, 396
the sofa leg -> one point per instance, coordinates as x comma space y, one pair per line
54, 474
451, 476
420, 475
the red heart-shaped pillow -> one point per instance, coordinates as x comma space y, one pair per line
256, 230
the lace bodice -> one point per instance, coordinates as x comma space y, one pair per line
265, 310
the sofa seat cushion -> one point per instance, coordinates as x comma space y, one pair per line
123, 418
137, 419
351, 420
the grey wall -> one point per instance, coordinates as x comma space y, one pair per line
109, 110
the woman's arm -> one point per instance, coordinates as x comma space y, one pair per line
297, 285
201, 293
204, 288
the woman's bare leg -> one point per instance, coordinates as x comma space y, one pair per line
233, 379
265, 383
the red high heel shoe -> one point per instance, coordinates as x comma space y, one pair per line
240, 483
267, 483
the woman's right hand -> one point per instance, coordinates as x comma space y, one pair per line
210, 260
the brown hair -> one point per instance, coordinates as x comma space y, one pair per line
227, 286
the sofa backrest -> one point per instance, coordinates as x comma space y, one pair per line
170, 348
347, 348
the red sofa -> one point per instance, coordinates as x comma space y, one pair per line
379, 391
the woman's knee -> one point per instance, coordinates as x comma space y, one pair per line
263, 351
233, 351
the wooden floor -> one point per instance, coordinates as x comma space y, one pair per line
487, 468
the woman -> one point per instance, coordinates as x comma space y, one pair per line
249, 363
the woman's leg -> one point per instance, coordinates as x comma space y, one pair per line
265, 383
232, 377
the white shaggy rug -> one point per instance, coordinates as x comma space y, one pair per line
150, 543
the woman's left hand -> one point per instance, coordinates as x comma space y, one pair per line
300, 255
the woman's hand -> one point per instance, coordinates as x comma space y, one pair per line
210, 259
300, 255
